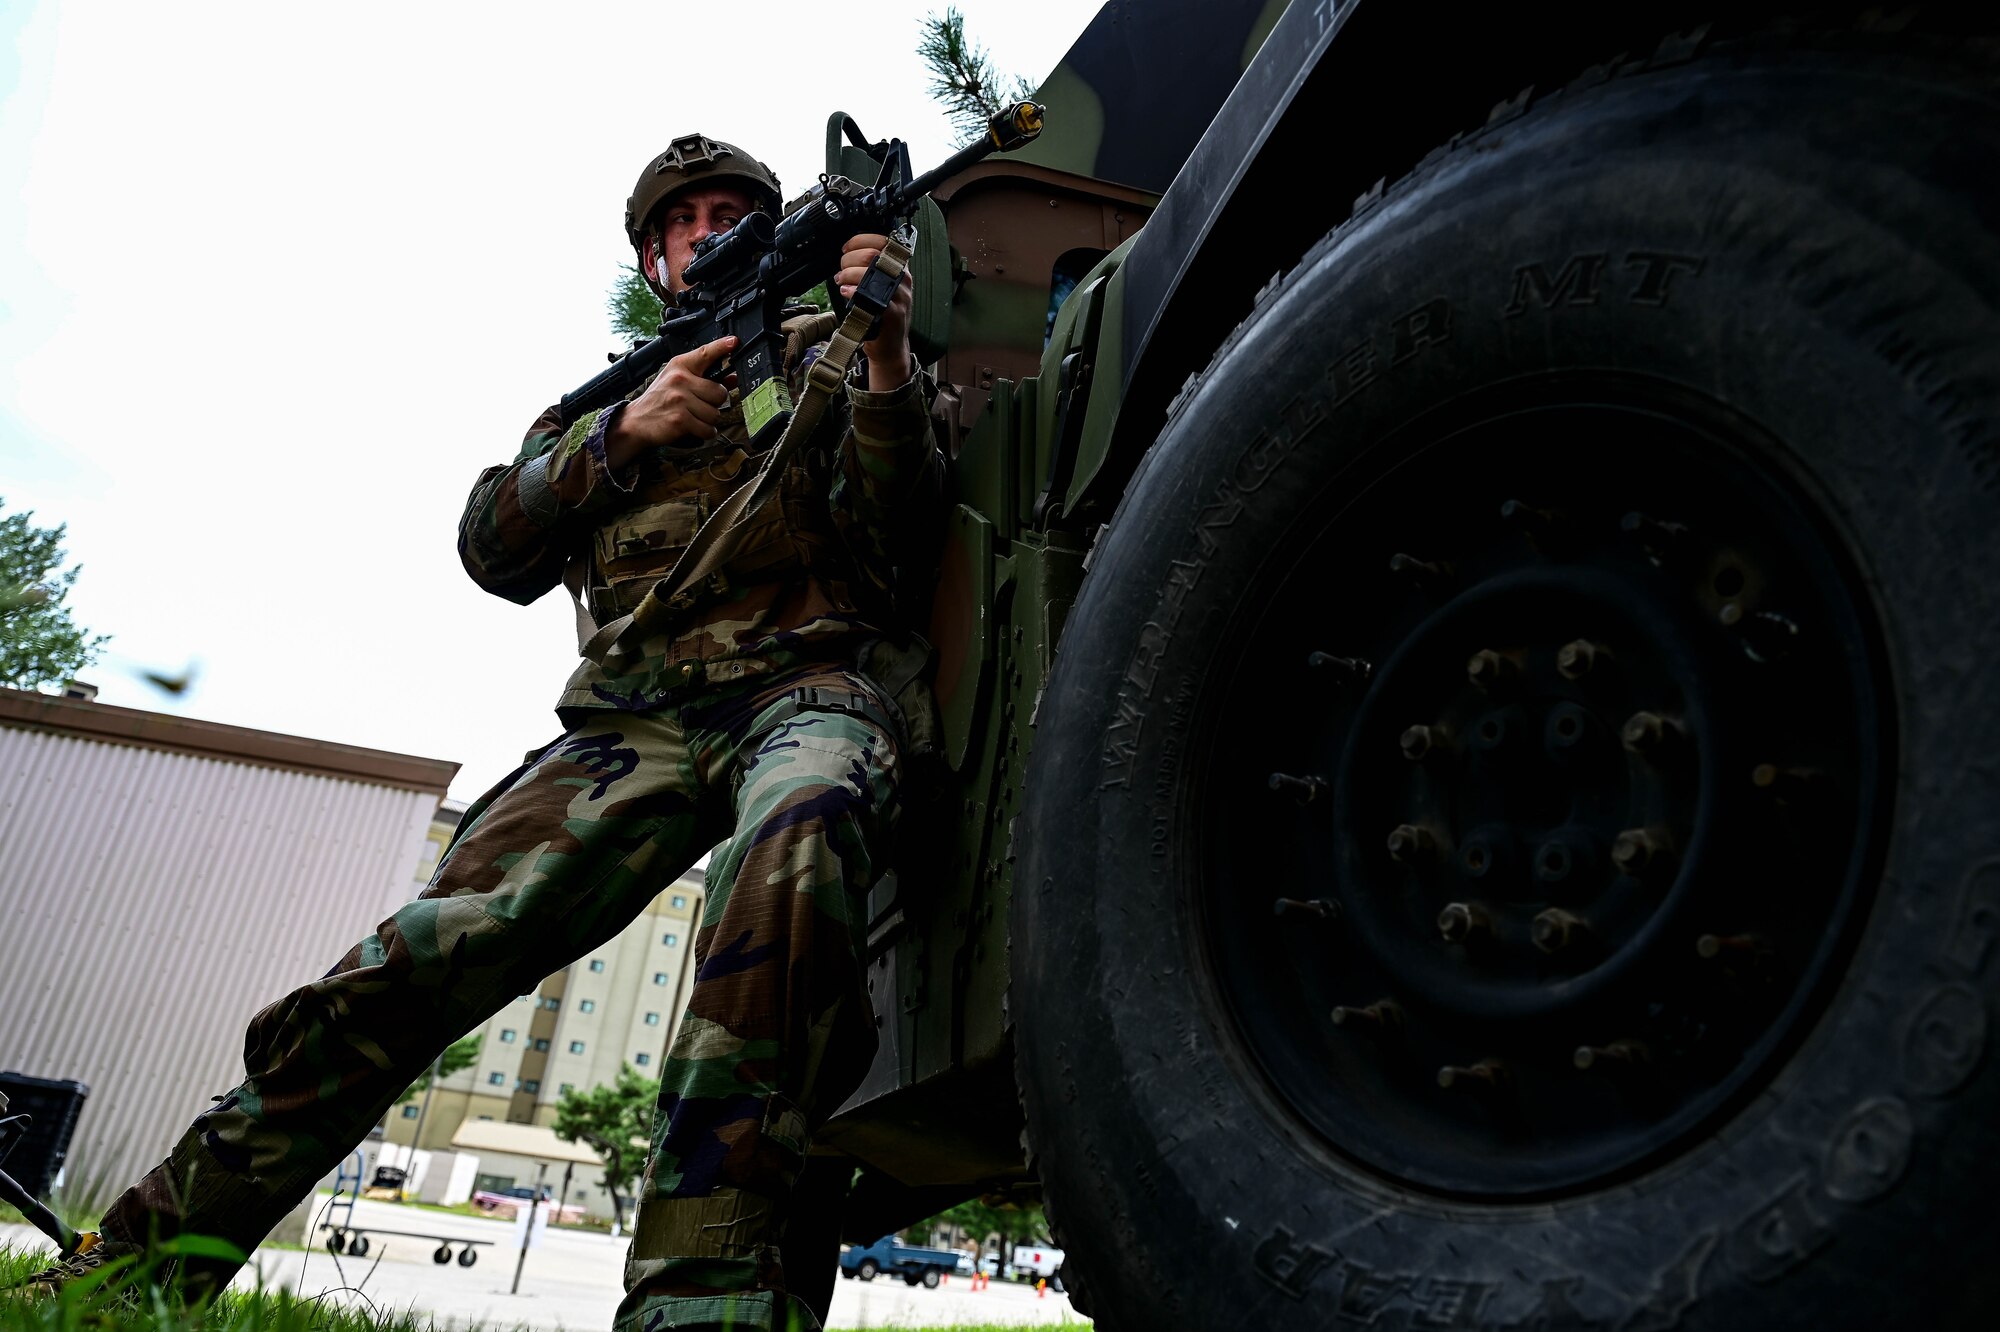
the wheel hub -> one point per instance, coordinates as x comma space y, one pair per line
1579, 810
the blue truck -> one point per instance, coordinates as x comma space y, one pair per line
889, 1254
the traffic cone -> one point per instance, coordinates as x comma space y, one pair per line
1042, 1289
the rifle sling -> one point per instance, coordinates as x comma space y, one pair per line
717, 538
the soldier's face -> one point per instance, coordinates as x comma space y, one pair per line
690, 217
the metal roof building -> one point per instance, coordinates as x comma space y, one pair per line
161, 879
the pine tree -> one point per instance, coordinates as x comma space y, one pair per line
963, 79
40, 645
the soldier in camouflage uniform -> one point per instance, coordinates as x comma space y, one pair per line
743, 723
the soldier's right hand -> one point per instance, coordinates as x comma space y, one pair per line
682, 404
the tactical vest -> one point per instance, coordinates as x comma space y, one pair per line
791, 536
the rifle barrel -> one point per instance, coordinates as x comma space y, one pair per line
1010, 128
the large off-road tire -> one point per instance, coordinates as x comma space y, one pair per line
1513, 838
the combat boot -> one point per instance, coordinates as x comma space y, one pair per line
94, 1253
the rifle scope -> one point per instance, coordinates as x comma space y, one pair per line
753, 235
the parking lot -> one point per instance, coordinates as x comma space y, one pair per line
573, 1280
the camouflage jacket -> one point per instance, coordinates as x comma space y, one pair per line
810, 580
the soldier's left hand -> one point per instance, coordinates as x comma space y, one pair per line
888, 352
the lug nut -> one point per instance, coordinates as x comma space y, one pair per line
1650, 735
1768, 636
1617, 1055
1462, 922
1476, 859
1538, 524
1344, 670
1555, 929
1380, 1016
1578, 658
1709, 947
1419, 741
1785, 785
1487, 669
1485, 1076
1424, 573
1409, 844
1304, 789
1639, 850
1658, 538
1319, 908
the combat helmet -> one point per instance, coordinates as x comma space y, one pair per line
695, 159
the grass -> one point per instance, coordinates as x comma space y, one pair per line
261, 1310
276, 1310
474, 1210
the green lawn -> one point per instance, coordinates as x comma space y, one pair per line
257, 1311
471, 1209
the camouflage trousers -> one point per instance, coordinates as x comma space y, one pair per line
799, 776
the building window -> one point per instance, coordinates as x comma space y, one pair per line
642, 1059
586, 1006
497, 1079
659, 978
530, 1085
670, 939
551, 1004
409, 1112
680, 903
565, 1090
489, 1119
506, 1035
576, 1047
652, 1019
541, 1043
597, 964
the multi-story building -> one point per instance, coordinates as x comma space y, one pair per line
618, 1005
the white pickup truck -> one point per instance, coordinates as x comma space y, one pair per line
1036, 1261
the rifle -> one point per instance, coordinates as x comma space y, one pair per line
738, 280
69, 1242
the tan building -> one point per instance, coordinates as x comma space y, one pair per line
165, 879
616, 1006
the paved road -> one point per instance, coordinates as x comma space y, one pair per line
572, 1280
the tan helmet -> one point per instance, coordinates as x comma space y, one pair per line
695, 159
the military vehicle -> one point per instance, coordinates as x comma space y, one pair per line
1465, 655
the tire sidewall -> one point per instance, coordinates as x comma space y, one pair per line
1822, 280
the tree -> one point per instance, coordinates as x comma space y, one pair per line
460, 1054
617, 1123
979, 1219
964, 82
963, 79
39, 643
635, 311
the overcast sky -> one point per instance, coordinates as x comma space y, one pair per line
278, 280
